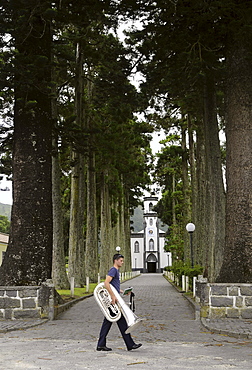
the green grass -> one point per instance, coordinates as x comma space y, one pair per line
78, 292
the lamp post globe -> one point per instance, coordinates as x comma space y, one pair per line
118, 249
190, 227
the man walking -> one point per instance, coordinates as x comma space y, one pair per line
113, 279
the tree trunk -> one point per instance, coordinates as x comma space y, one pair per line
74, 227
59, 274
76, 262
91, 257
209, 212
116, 235
106, 249
82, 219
186, 195
28, 259
200, 196
91, 235
237, 266
76, 265
192, 163
194, 190
215, 196
126, 231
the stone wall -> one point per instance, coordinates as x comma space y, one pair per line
29, 302
220, 300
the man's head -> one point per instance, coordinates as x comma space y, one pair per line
118, 260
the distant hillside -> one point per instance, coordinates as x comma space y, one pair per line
5, 210
137, 221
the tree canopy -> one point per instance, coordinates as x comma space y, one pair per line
65, 78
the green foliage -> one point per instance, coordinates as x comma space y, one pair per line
174, 241
180, 268
171, 205
4, 224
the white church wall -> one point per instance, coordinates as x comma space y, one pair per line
165, 257
151, 256
137, 257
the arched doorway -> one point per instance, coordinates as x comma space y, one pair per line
151, 263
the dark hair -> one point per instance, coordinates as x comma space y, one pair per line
117, 256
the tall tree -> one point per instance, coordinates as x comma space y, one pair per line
169, 174
213, 227
237, 266
106, 226
76, 264
85, 24
182, 58
91, 255
119, 140
59, 274
28, 257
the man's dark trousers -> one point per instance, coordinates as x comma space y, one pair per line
122, 325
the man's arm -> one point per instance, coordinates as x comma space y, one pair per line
107, 286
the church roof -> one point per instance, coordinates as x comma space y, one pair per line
139, 234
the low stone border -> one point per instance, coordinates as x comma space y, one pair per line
224, 300
34, 302
237, 328
26, 302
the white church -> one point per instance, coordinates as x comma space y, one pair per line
147, 245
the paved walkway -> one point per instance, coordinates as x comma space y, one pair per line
171, 337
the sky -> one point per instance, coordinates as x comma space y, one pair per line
156, 137
5, 190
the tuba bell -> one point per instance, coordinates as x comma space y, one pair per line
113, 312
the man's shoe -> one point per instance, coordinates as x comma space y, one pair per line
135, 346
103, 349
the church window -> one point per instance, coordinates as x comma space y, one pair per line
151, 222
151, 245
136, 247
150, 207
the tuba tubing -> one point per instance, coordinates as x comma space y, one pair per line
113, 312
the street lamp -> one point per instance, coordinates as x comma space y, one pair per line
118, 249
190, 229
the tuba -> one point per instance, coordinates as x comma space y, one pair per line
113, 312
